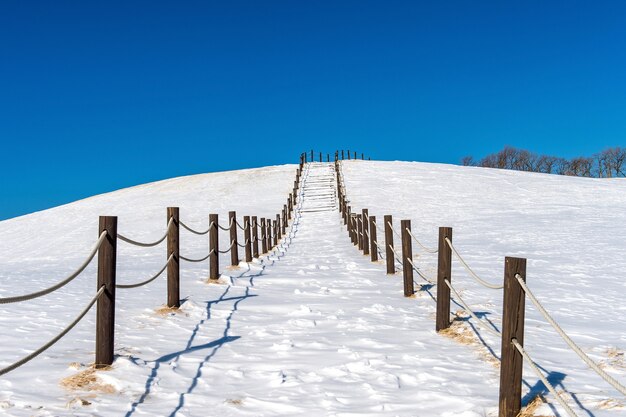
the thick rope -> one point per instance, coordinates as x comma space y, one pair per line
608, 378
56, 338
66, 281
196, 231
244, 244
150, 244
398, 258
378, 248
545, 381
149, 280
228, 227
394, 230
245, 225
197, 260
424, 277
427, 249
469, 311
229, 248
471, 272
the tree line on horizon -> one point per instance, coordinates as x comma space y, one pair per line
609, 163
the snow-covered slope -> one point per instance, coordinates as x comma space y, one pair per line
315, 328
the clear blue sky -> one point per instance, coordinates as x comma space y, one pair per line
96, 96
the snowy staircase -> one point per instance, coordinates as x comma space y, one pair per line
319, 188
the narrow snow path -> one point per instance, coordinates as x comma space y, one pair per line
318, 330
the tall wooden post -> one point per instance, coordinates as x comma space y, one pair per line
513, 307
290, 205
342, 154
355, 157
214, 247
234, 249
173, 266
391, 263
366, 234
246, 238
255, 237
359, 231
285, 224
268, 233
321, 157
275, 228
263, 236
348, 155
327, 157
362, 157
373, 239
105, 314
407, 258
444, 271
279, 228
349, 221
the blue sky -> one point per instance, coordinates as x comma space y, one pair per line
96, 96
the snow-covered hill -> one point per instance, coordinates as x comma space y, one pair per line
315, 328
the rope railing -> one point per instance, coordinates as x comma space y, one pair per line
470, 271
426, 248
149, 244
211, 252
420, 273
189, 228
149, 280
70, 278
244, 244
543, 379
245, 225
469, 311
394, 230
608, 378
232, 243
378, 248
227, 227
55, 339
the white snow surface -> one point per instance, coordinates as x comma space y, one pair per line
314, 328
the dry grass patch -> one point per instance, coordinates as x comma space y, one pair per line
531, 408
461, 332
235, 402
87, 380
166, 311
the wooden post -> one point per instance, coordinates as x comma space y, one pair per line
391, 263
255, 237
275, 228
105, 314
263, 236
359, 231
355, 157
173, 266
342, 154
444, 271
348, 155
513, 307
234, 249
312, 159
290, 205
372, 231
285, 223
321, 157
348, 222
279, 228
362, 157
268, 233
214, 247
327, 157
246, 238
407, 258
366, 234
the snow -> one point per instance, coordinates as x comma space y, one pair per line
315, 328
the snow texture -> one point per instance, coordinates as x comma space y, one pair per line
315, 328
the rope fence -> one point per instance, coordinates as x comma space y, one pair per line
514, 287
106, 248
